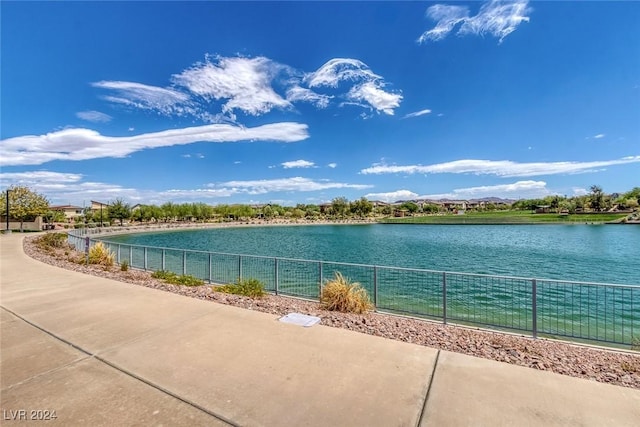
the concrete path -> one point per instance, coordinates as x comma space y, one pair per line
100, 352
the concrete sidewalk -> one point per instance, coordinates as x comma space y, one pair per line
100, 352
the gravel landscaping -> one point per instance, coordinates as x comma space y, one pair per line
608, 366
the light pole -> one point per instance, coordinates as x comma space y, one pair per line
8, 230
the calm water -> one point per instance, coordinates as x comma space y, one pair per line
594, 253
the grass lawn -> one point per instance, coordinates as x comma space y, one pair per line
506, 217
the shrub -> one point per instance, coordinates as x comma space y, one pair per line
340, 294
124, 265
174, 279
53, 241
635, 343
99, 254
164, 275
248, 287
188, 280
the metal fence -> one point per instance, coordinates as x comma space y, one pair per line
605, 313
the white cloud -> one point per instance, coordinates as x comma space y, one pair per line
332, 165
244, 82
377, 98
83, 144
577, 191
65, 188
503, 168
301, 94
496, 17
520, 189
337, 70
599, 136
138, 95
392, 196
418, 114
297, 184
298, 164
94, 116
367, 90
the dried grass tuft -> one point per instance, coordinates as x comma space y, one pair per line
340, 294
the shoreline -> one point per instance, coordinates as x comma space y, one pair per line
609, 365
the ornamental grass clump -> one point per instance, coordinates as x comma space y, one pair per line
247, 287
100, 255
340, 294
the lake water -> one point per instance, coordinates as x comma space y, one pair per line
592, 253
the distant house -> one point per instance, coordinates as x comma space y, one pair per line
69, 211
96, 206
543, 209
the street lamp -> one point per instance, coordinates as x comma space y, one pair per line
8, 230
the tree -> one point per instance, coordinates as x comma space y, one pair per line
596, 198
410, 206
24, 204
340, 206
119, 210
361, 207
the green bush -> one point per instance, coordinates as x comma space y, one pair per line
164, 275
124, 265
248, 287
174, 279
340, 294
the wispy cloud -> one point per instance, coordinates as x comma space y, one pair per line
301, 94
503, 168
61, 187
392, 196
244, 82
83, 144
417, 114
520, 189
372, 93
367, 88
94, 116
337, 70
298, 164
599, 136
163, 100
216, 89
496, 17
332, 165
295, 184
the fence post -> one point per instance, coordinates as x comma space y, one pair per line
184, 263
444, 297
320, 284
375, 286
239, 267
209, 271
276, 274
145, 258
131, 256
163, 261
119, 257
534, 307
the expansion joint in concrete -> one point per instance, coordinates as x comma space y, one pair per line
426, 397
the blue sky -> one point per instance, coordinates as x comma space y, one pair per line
302, 102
